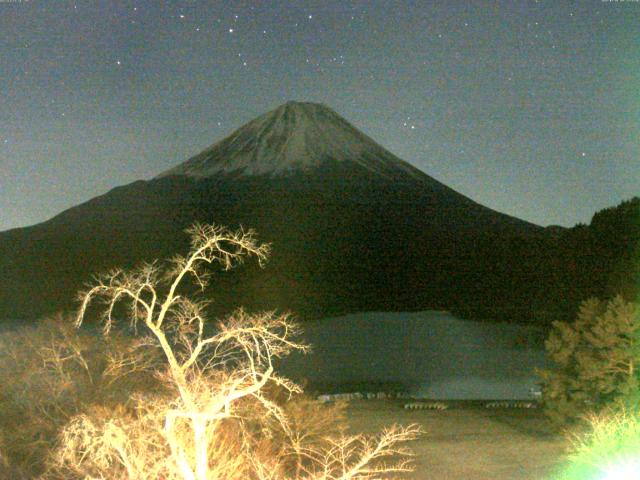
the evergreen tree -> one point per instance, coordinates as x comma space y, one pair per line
594, 360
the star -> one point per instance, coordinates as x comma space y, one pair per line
118, 62
231, 30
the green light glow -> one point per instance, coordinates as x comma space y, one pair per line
626, 470
610, 450
622, 469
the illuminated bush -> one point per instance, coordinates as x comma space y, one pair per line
608, 450
594, 360
50, 372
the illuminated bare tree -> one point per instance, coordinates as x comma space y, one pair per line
213, 373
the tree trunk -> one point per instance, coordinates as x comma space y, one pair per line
201, 447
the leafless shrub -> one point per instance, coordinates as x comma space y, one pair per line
51, 372
360, 457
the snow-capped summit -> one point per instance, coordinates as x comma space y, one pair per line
296, 136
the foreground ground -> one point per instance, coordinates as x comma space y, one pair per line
468, 441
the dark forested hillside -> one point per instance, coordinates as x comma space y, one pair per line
544, 277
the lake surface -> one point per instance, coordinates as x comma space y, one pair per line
432, 354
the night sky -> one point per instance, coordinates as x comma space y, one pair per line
531, 108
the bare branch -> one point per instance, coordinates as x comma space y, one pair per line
215, 378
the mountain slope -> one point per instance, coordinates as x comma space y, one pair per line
353, 227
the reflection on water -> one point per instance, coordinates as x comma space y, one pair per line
433, 354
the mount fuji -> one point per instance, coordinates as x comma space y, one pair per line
353, 228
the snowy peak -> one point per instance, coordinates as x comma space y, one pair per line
296, 136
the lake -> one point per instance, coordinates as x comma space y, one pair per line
431, 354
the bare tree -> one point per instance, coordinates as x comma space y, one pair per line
215, 376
